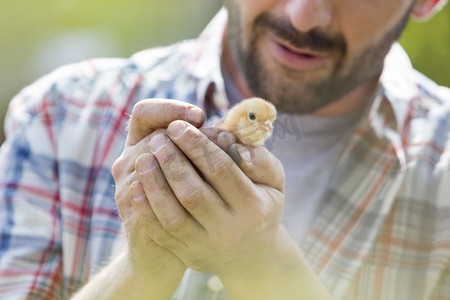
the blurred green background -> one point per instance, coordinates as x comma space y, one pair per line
38, 36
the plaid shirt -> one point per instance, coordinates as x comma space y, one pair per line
382, 231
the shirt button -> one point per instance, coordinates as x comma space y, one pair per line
214, 284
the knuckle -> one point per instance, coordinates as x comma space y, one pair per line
174, 223
123, 205
175, 167
163, 239
221, 167
191, 198
160, 237
132, 178
145, 212
159, 131
141, 146
122, 195
160, 188
168, 159
118, 167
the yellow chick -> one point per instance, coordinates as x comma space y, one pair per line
251, 121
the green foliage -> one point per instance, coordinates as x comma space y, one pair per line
428, 45
27, 26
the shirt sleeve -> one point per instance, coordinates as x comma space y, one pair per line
30, 244
58, 220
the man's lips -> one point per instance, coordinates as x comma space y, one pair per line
295, 58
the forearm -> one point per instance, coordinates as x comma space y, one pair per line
119, 280
285, 276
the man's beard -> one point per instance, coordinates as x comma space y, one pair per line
293, 91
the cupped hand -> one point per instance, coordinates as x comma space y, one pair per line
148, 117
218, 212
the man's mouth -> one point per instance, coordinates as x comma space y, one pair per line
293, 57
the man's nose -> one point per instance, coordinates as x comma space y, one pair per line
306, 15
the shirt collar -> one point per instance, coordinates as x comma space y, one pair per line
398, 84
205, 65
392, 109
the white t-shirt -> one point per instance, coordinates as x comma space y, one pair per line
309, 147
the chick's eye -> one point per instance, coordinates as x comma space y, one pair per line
252, 116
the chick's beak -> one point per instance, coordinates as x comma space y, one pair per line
268, 126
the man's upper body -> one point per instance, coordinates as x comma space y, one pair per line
380, 230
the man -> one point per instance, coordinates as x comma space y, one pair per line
366, 205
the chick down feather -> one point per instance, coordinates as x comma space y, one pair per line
251, 121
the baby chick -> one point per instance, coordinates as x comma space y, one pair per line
250, 120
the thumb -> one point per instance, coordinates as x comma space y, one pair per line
258, 164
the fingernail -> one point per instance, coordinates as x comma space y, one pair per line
145, 163
243, 152
225, 139
157, 142
176, 129
194, 115
137, 192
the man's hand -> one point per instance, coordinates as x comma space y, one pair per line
220, 212
145, 268
146, 258
147, 117
225, 224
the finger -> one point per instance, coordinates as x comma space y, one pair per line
151, 114
220, 137
223, 139
122, 195
171, 214
215, 164
259, 165
193, 193
148, 220
125, 163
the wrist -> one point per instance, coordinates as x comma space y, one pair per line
281, 273
164, 271
153, 281
123, 280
